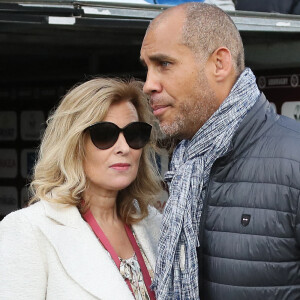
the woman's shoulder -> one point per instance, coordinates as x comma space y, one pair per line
154, 213
19, 226
21, 219
151, 223
22, 215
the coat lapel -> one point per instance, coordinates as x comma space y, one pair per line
81, 254
147, 232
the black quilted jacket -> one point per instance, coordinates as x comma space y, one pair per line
250, 225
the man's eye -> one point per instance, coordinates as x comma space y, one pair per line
165, 63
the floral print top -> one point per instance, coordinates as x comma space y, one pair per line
130, 269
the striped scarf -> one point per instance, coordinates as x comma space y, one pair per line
176, 274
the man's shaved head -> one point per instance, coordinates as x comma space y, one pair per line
206, 28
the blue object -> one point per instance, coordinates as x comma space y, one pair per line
171, 2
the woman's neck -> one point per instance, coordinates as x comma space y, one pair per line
103, 207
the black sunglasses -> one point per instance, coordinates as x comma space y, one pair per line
105, 134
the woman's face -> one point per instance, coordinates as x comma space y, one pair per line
108, 171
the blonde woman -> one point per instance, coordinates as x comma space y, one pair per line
90, 231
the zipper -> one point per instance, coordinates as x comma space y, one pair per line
202, 224
201, 235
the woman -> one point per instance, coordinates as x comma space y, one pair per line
88, 232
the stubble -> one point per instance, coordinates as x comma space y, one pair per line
193, 112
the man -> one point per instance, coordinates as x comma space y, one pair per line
230, 228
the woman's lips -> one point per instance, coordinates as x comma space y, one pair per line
120, 166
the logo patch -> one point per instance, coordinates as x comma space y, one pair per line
245, 220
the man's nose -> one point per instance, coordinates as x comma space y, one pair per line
152, 84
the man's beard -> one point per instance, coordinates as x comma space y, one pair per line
194, 111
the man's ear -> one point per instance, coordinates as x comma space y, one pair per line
222, 63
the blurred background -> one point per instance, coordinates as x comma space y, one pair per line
48, 46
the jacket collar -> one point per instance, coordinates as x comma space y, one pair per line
256, 123
63, 214
149, 241
81, 254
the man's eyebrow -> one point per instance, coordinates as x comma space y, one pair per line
156, 58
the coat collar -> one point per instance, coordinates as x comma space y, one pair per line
63, 214
258, 120
148, 232
81, 254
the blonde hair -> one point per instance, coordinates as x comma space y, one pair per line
59, 175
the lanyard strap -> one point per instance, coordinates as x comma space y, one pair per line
145, 272
89, 218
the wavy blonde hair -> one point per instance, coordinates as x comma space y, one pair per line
59, 175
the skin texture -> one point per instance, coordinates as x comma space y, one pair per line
185, 90
99, 165
105, 178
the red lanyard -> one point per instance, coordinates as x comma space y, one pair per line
88, 216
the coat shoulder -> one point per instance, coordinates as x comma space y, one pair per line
153, 220
25, 215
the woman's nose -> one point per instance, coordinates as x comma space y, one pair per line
121, 145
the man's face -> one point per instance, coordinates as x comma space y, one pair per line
181, 96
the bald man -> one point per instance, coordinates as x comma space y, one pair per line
230, 228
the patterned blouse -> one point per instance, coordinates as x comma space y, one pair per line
130, 269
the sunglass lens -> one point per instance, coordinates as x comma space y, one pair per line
104, 135
137, 134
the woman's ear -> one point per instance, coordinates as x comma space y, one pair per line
222, 62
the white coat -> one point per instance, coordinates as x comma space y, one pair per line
47, 251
